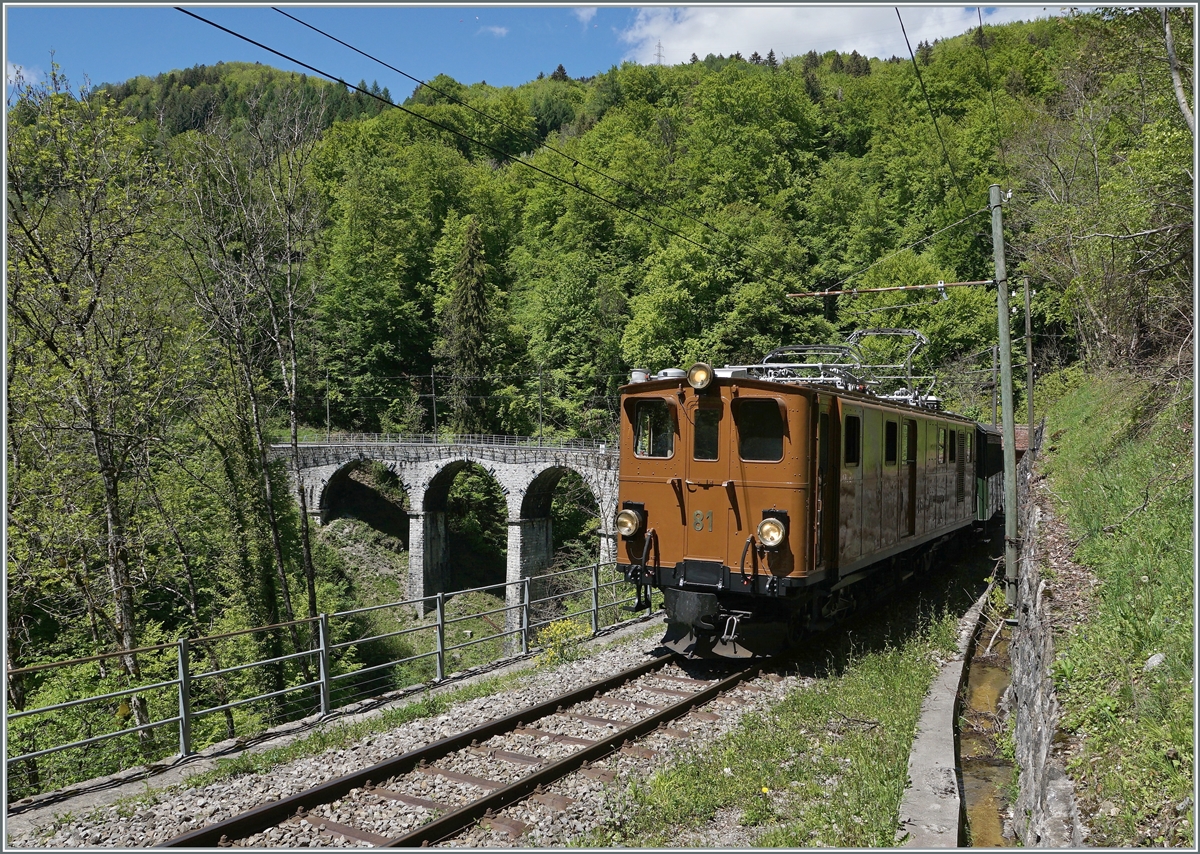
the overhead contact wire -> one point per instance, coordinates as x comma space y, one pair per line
524, 133
504, 155
991, 91
929, 104
912, 245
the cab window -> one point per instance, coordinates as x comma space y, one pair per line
853, 440
890, 443
707, 436
653, 432
760, 430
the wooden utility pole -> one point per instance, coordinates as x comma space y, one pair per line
1006, 401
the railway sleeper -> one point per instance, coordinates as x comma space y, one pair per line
440, 821
511, 826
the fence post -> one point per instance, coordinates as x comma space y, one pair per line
525, 616
595, 598
441, 637
323, 659
185, 700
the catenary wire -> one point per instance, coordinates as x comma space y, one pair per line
499, 152
575, 161
912, 245
991, 91
957, 186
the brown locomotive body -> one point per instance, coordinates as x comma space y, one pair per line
860, 488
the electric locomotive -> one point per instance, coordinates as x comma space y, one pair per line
766, 501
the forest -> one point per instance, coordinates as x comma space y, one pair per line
218, 259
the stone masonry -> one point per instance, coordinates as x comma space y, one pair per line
527, 475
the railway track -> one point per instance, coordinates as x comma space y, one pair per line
522, 753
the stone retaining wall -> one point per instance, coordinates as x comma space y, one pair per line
1045, 815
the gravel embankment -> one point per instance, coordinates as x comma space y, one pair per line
156, 816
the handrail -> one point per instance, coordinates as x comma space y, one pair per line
348, 437
515, 637
35, 668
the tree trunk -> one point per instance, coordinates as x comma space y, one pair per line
1180, 95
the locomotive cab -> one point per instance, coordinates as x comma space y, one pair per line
715, 490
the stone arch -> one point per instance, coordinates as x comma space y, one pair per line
433, 569
527, 477
539, 494
344, 495
436, 492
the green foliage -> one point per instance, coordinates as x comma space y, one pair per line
1121, 463
187, 99
466, 326
476, 528
560, 641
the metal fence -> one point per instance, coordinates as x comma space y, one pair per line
460, 439
92, 718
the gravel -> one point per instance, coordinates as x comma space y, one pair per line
158, 815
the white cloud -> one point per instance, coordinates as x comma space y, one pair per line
585, 13
12, 70
498, 32
792, 30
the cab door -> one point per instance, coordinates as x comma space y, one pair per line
908, 449
826, 455
706, 498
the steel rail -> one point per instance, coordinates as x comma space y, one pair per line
453, 822
269, 815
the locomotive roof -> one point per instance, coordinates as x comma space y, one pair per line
775, 386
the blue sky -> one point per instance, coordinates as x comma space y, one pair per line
503, 45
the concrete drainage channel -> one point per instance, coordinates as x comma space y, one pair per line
951, 804
959, 786
931, 811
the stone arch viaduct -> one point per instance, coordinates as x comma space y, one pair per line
526, 470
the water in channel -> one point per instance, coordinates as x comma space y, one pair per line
987, 775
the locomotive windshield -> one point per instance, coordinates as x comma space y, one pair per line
708, 426
760, 430
654, 434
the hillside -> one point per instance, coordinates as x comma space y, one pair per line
1118, 473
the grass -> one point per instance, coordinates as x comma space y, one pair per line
1121, 465
825, 767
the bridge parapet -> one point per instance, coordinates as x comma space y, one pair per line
317, 455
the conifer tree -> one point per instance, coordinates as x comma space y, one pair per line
465, 329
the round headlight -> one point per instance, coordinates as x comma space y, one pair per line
699, 375
629, 523
771, 532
